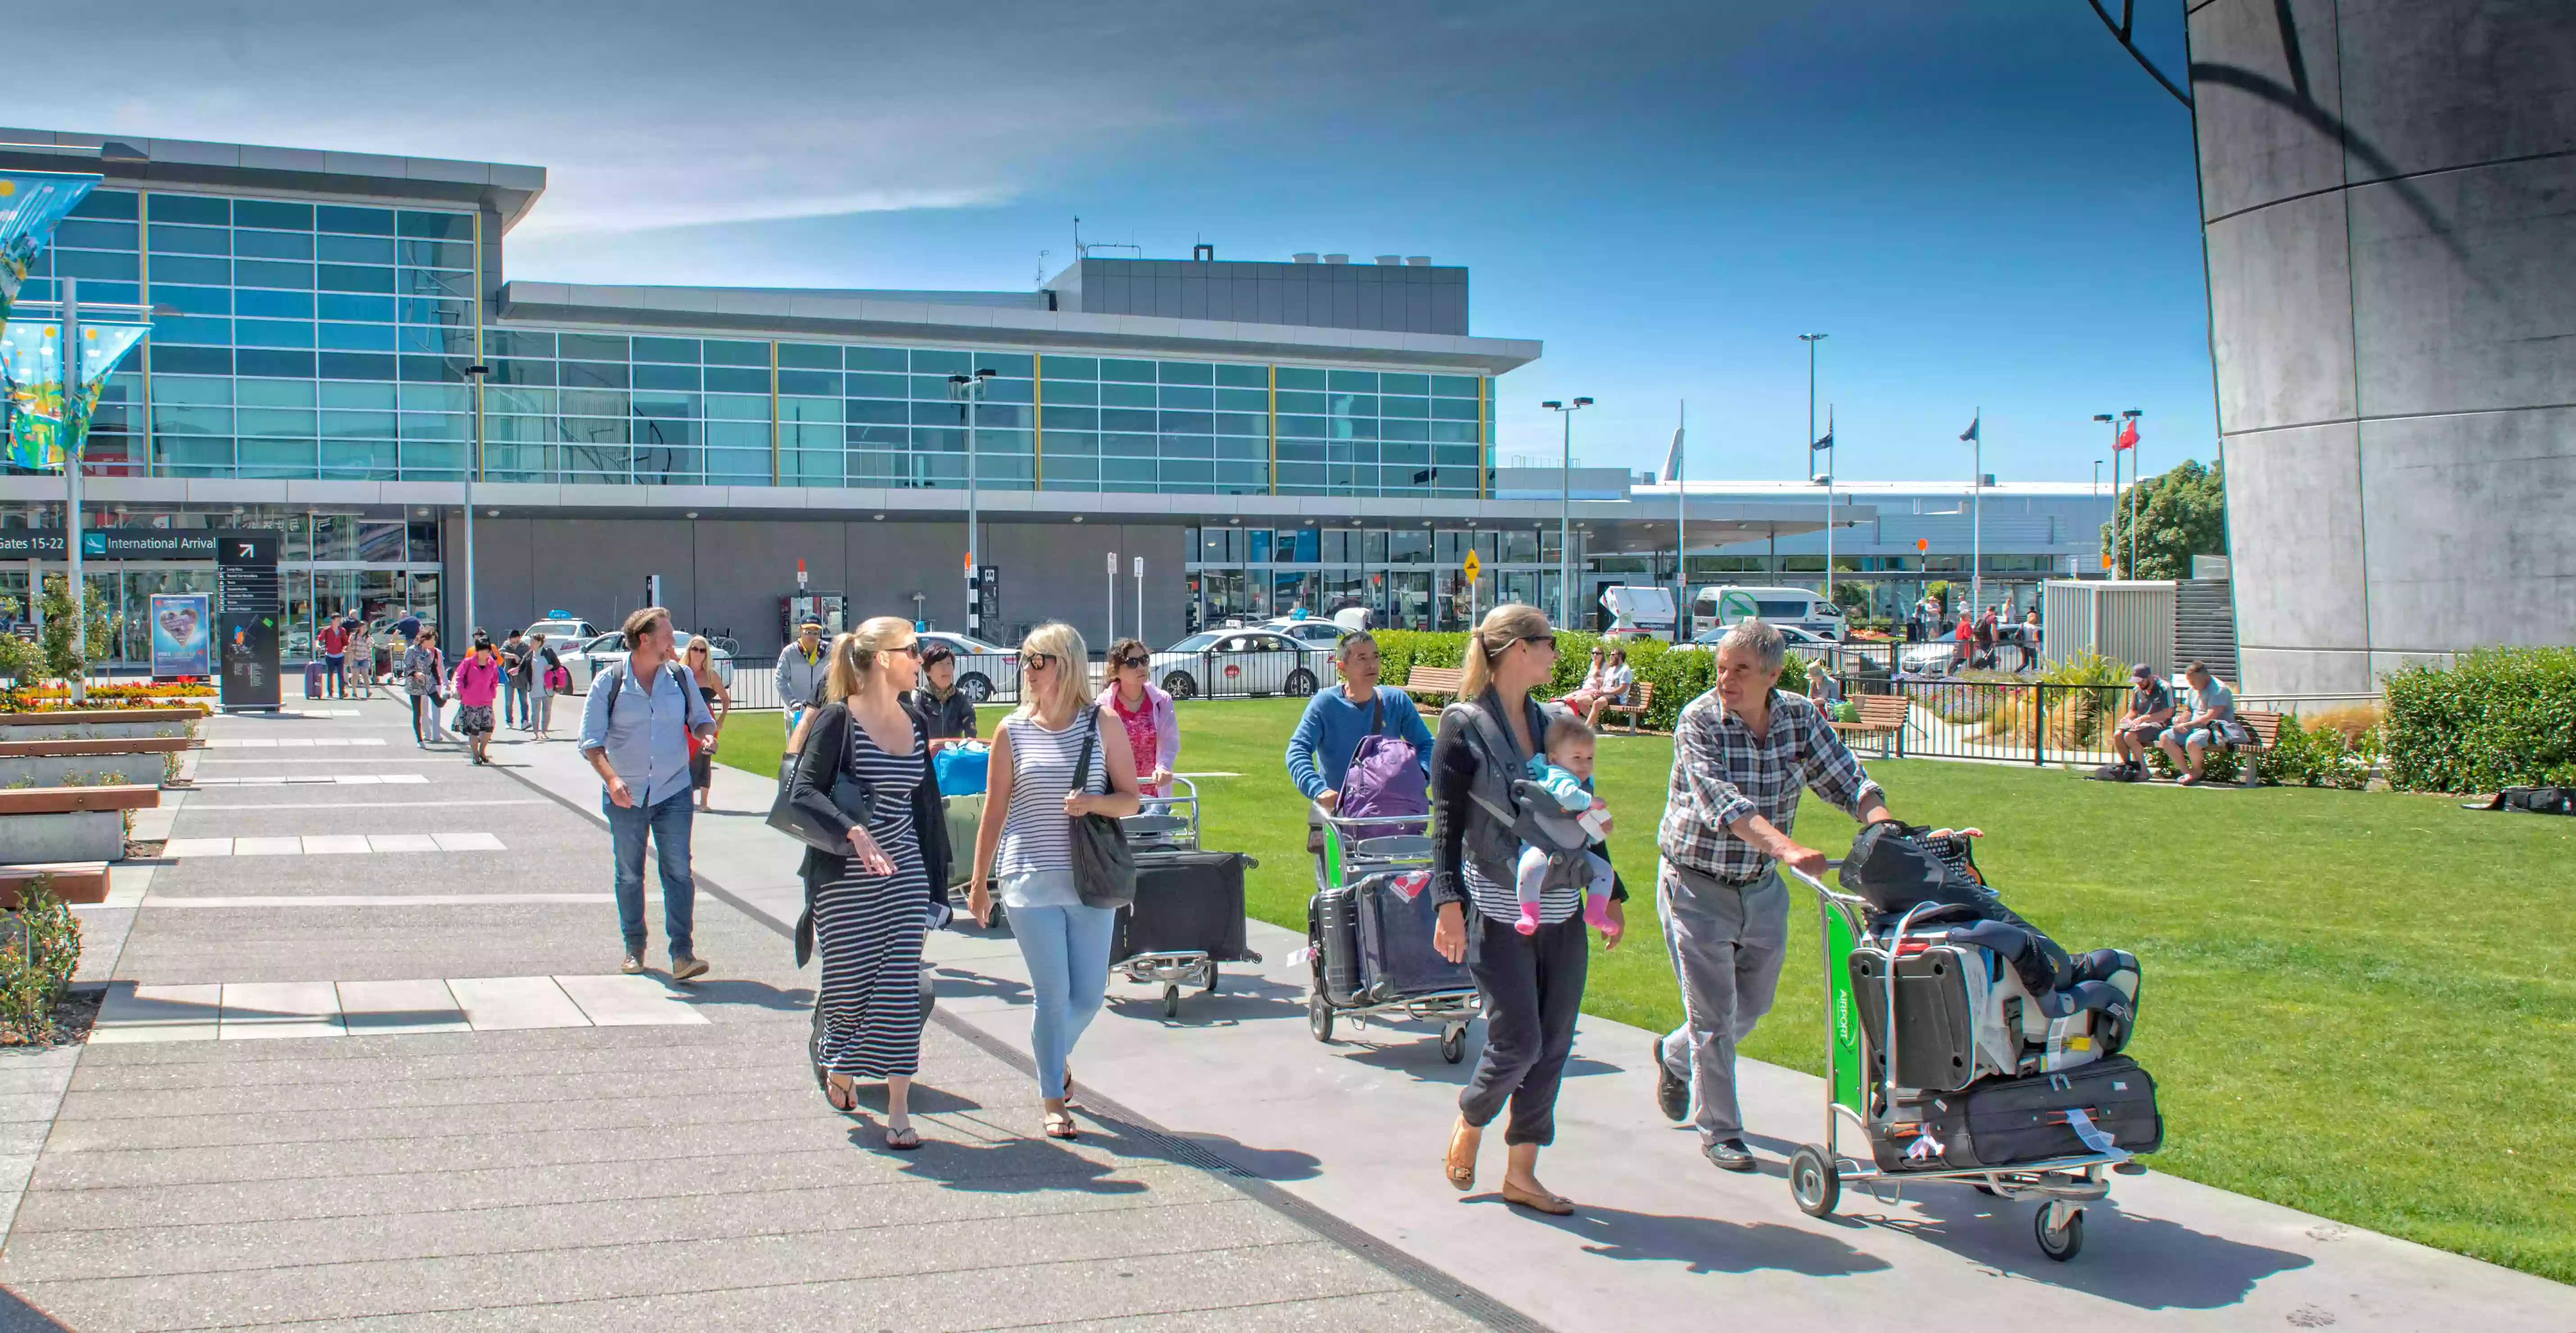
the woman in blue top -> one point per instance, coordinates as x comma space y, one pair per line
1337, 720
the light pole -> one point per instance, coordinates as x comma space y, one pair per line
473, 464
1565, 513
970, 391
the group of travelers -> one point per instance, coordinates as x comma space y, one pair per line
2186, 729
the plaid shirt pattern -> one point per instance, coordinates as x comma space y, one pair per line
1723, 772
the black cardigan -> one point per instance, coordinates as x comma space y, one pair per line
809, 786
1456, 755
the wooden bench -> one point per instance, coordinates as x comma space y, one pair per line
1636, 702
2263, 731
1434, 682
73, 881
130, 745
1882, 717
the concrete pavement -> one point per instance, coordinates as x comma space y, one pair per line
580, 1174
1356, 1130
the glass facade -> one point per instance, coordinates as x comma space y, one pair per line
329, 341
1412, 577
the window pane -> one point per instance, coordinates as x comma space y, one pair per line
733, 379
875, 358
1069, 367
97, 235
189, 208
1186, 397
274, 305
1244, 377
940, 363
677, 350
720, 352
665, 377
177, 240
332, 217
435, 226
273, 244
117, 204
1133, 372
349, 278
380, 308
1300, 377
1188, 372
809, 356
353, 250
1072, 393
593, 347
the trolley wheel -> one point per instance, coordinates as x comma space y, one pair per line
1453, 1042
1815, 1182
1210, 988
1985, 1189
2064, 1242
1319, 1018
1171, 999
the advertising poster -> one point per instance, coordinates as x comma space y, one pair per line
183, 626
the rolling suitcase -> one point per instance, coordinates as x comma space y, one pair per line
1186, 902
2004, 1122
962, 815
1337, 945
313, 679
1940, 996
1396, 957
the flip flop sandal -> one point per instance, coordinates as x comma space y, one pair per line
1554, 1205
1060, 1126
833, 1094
905, 1139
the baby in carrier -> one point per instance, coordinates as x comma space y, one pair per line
1561, 775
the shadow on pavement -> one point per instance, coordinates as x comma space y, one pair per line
16, 1316
1012, 1166
2145, 1262
1704, 1244
954, 983
1267, 1163
757, 994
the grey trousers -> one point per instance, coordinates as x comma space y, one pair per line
1726, 946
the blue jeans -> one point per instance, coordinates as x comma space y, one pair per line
514, 702
1067, 950
669, 825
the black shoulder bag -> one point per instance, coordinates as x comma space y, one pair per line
1104, 869
852, 795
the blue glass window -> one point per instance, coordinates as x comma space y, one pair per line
875, 412
874, 386
427, 310
1454, 386
192, 329
1122, 419
1404, 407
1070, 367
353, 249
1081, 393
593, 347
189, 360
283, 365
937, 363
189, 208
1243, 377
356, 366
723, 379
591, 374
336, 306
875, 358
518, 342
437, 254
1299, 377
272, 333
176, 240
195, 300
363, 221
113, 204
807, 382
1454, 409
96, 235
1188, 372
1131, 372
273, 244
184, 269
725, 353
1188, 397
435, 226
664, 377
808, 356
272, 213
678, 351
96, 264
275, 305
270, 273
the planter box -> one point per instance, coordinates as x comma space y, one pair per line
76, 835
79, 715
44, 727
108, 745
73, 881
65, 800
55, 770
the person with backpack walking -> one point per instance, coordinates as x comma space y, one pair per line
802, 667
1153, 736
334, 642
869, 909
1533, 983
1054, 761
424, 673
1336, 721
635, 732
478, 681
550, 678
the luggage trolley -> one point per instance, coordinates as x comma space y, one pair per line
1201, 908
1817, 1171
1355, 849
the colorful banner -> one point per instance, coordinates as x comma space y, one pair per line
51, 413
183, 625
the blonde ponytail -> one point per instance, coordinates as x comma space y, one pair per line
854, 655
1502, 627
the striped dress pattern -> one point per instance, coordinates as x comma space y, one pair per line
1036, 834
869, 928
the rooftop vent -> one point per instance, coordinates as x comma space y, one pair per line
1391, 261
1337, 259
1304, 256
1418, 261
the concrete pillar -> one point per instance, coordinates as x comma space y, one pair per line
2388, 191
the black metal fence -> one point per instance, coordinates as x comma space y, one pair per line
2029, 722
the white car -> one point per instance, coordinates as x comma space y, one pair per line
1309, 630
984, 670
1240, 662
560, 633
607, 652
1798, 638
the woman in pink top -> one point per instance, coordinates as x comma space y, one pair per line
1152, 735
478, 679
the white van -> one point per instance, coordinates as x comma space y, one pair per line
1799, 607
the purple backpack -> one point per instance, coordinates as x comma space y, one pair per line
1384, 778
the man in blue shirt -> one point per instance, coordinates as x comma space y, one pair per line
635, 731
1337, 720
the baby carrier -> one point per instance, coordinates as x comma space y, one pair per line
1534, 816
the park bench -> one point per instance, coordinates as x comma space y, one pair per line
1635, 702
1434, 682
2262, 732
1882, 718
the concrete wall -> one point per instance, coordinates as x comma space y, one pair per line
2389, 196
728, 573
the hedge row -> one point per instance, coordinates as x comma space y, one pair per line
2495, 717
1678, 675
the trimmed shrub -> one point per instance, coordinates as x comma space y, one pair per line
39, 948
2496, 717
1679, 675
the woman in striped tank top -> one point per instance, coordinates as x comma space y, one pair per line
1026, 843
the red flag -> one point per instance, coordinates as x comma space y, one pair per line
2128, 435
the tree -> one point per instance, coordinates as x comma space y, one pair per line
2181, 513
60, 657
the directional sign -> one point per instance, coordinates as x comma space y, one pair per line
1473, 566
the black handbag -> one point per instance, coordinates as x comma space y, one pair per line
855, 798
1104, 868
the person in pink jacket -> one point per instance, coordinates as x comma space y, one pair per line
1152, 735
478, 681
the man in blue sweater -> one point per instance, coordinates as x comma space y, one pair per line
1337, 719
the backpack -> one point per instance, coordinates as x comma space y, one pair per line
617, 686
2529, 800
1384, 777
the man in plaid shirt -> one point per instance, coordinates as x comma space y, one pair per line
1741, 754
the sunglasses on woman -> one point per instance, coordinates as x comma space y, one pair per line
1131, 661
1032, 661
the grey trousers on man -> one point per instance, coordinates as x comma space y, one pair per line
1727, 944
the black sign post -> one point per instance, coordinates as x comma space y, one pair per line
247, 628
989, 596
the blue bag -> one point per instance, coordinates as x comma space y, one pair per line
961, 768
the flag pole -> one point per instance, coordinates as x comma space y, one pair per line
1681, 520
1977, 517
1829, 508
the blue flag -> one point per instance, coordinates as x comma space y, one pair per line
1828, 441
1969, 436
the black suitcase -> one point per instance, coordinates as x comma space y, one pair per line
2001, 1122
1186, 902
1336, 927
1396, 957
1936, 1033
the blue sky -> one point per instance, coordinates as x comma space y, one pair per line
1984, 203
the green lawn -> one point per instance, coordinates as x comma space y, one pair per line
2362, 1005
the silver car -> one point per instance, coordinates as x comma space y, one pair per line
1242, 662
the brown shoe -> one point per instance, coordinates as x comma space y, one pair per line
1554, 1205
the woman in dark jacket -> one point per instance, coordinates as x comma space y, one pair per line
1533, 983
868, 910
944, 707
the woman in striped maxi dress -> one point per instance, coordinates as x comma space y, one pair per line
868, 910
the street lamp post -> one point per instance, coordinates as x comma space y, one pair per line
473, 464
72, 448
1565, 513
970, 391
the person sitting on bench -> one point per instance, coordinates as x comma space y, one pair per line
2211, 723
2151, 707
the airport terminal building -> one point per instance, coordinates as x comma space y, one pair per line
1258, 433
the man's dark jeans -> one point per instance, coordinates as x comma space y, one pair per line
668, 823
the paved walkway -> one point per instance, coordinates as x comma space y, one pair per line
1356, 1129
542, 1144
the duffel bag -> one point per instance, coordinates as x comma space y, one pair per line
2000, 1122
962, 769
